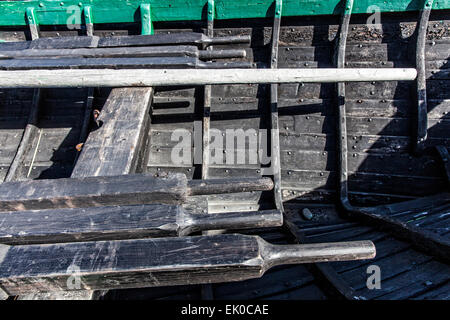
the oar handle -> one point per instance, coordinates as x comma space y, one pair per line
317, 252
231, 221
230, 39
228, 185
222, 54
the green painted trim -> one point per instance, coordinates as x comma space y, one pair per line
278, 8
211, 10
87, 12
30, 16
428, 5
146, 19
348, 7
51, 12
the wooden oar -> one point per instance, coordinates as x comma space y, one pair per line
125, 52
117, 190
157, 262
179, 77
122, 222
185, 38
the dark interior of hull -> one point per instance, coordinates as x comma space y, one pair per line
382, 168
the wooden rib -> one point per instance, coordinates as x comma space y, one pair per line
422, 239
422, 109
275, 137
207, 292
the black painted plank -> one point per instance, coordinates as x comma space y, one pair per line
116, 63
115, 147
122, 222
184, 38
92, 191
158, 262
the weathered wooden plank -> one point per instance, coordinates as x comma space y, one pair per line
366, 52
122, 222
176, 77
273, 282
289, 140
421, 124
386, 217
401, 262
359, 125
39, 63
229, 185
92, 191
365, 107
29, 134
122, 52
432, 273
158, 262
117, 190
185, 38
362, 182
399, 163
115, 147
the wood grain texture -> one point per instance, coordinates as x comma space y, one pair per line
115, 63
123, 52
177, 77
117, 190
185, 38
92, 191
122, 222
114, 148
158, 262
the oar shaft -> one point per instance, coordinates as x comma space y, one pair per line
176, 77
228, 185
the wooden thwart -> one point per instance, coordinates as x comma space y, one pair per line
116, 190
158, 262
122, 222
115, 147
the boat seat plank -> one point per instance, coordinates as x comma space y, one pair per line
115, 147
